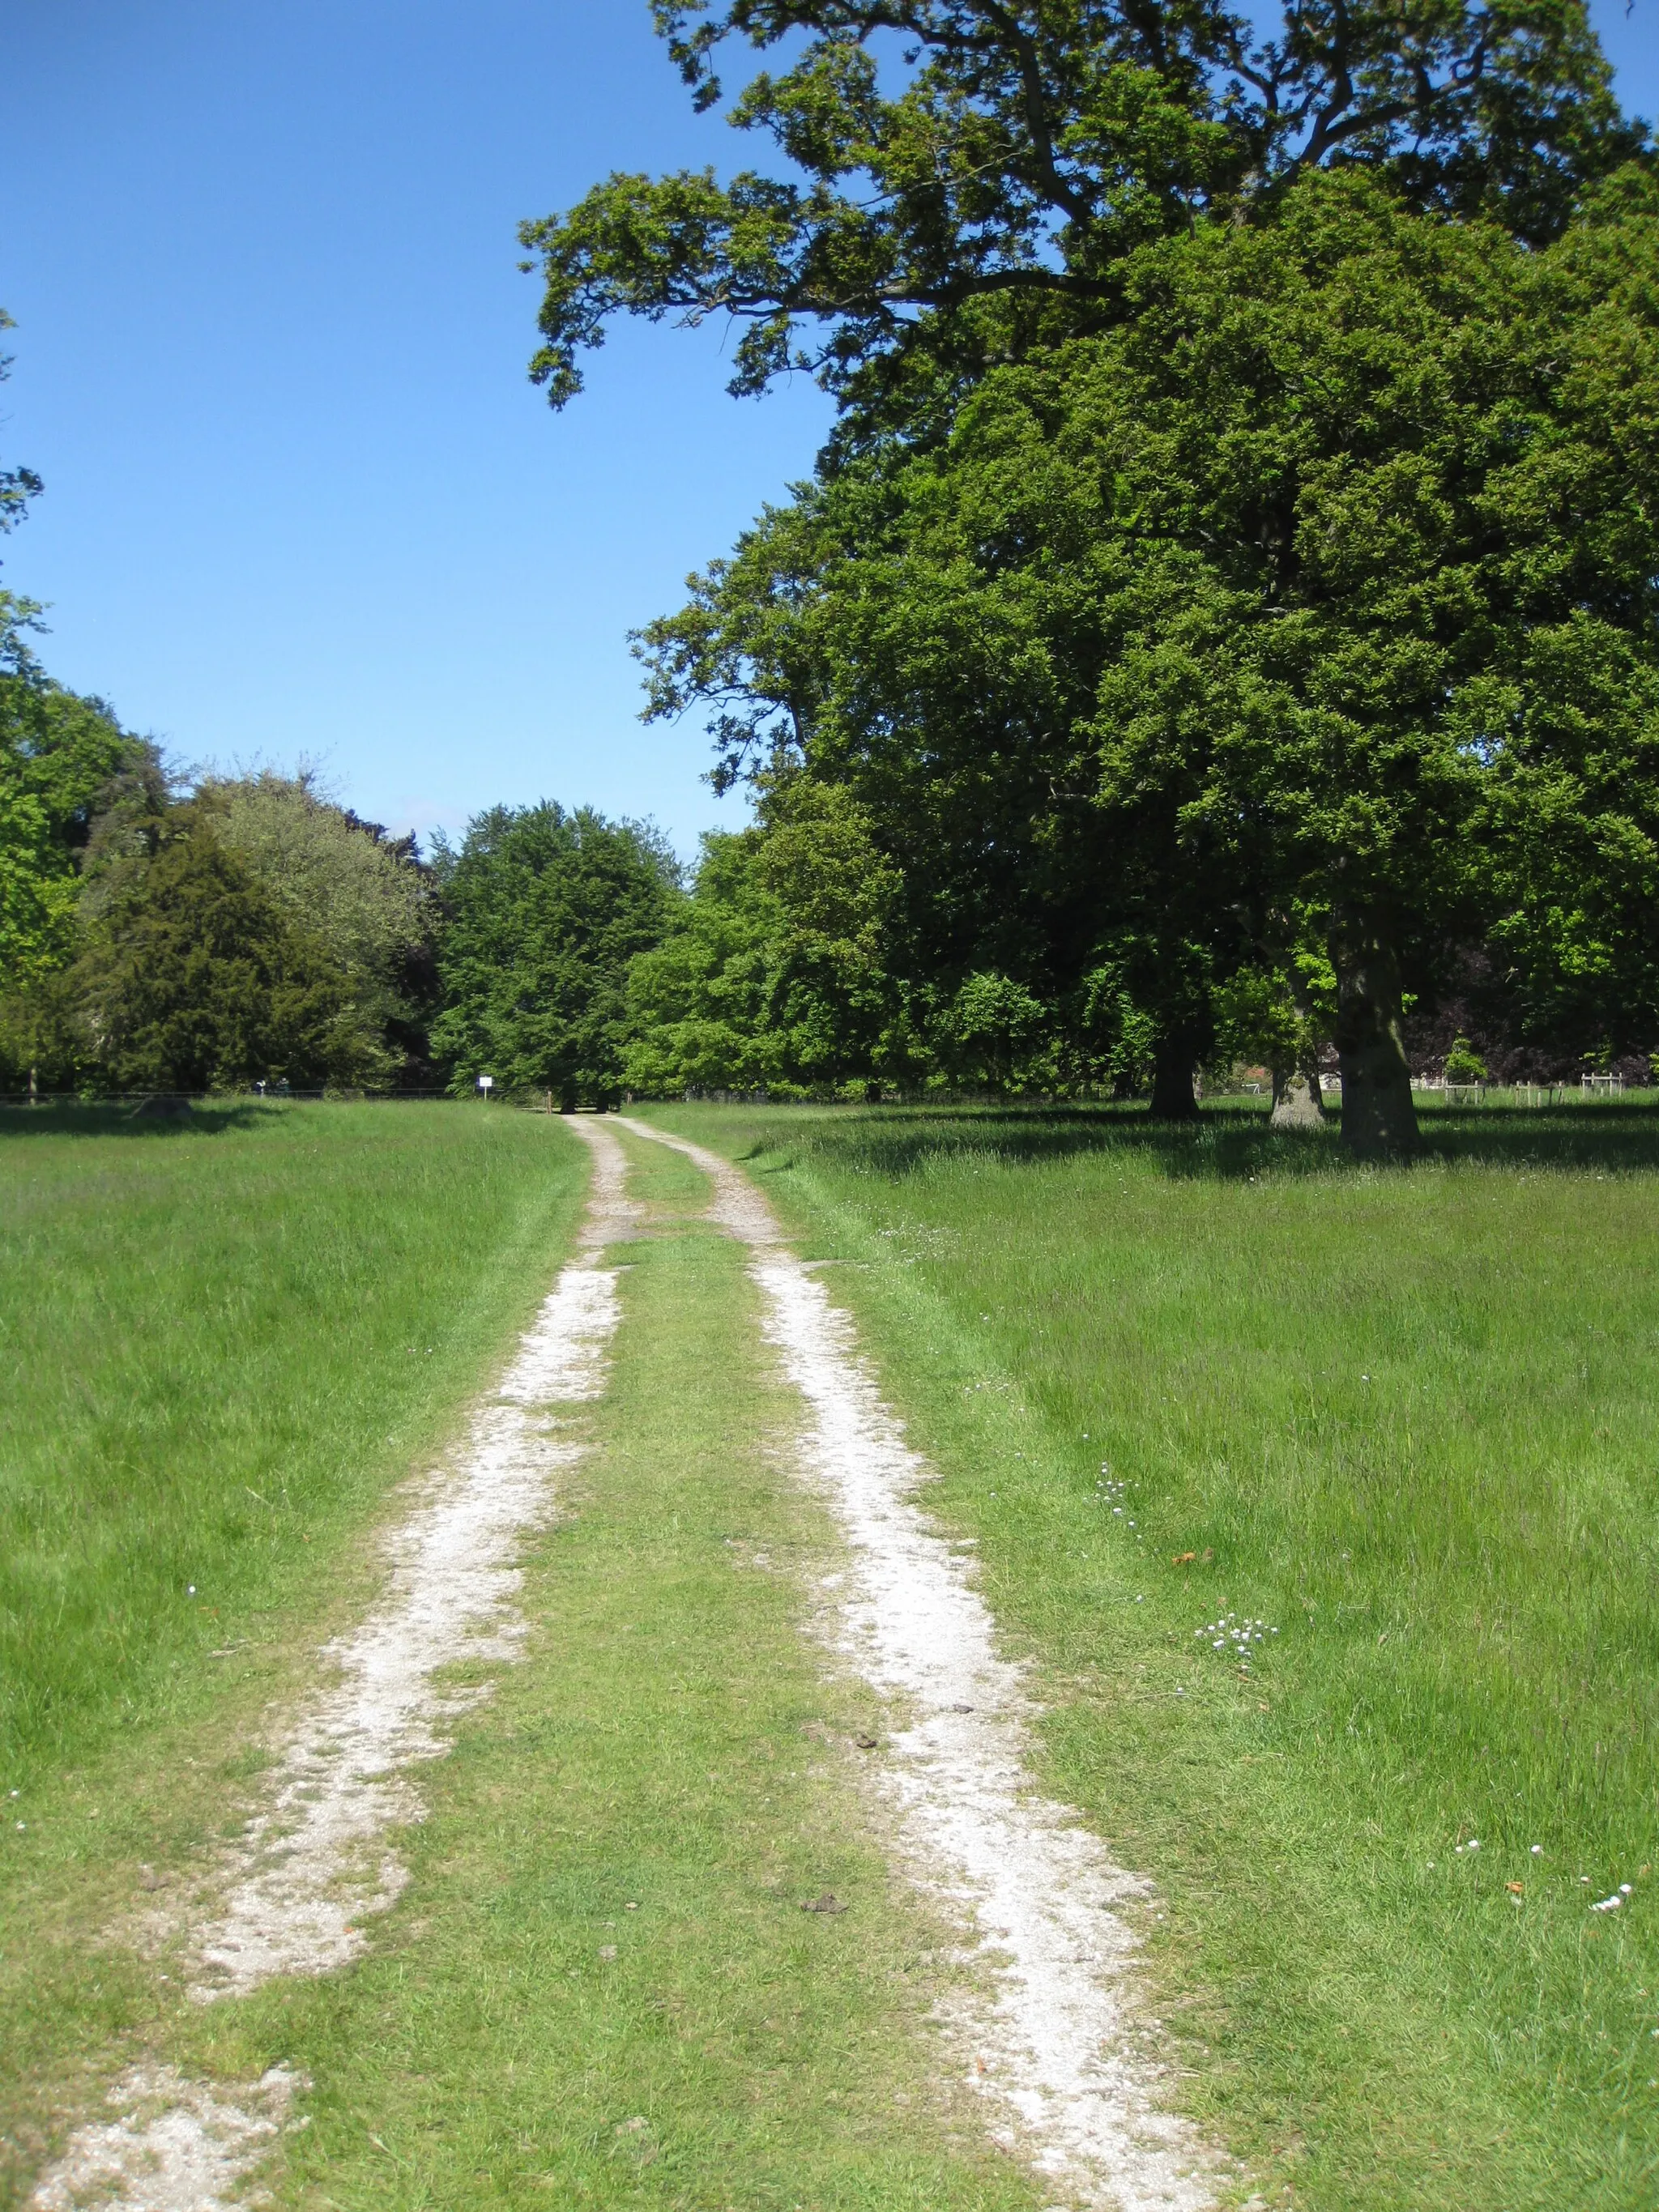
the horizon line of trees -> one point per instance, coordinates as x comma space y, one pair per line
250, 931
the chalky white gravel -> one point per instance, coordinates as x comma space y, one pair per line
174, 2145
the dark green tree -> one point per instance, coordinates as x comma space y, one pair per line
1306, 616
60, 756
942, 157
544, 910
191, 977
971, 183
775, 975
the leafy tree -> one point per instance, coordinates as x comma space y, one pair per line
545, 911
1464, 1064
700, 1004
60, 755
364, 896
1282, 1013
193, 978
998, 1035
1308, 615
1394, 608
980, 190
775, 975
856, 633
360, 892
1011, 153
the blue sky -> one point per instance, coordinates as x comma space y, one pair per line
302, 500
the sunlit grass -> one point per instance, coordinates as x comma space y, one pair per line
221, 1344
1407, 1419
599, 1989
217, 1344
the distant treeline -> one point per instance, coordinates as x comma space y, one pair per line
249, 930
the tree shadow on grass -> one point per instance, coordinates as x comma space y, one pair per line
1231, 1142
62, 1117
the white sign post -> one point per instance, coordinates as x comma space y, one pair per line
486, 1084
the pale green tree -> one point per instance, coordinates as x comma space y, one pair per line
335, 877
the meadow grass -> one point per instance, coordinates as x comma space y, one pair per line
599, 1989
1404, 1419
221, 1343
217, 1342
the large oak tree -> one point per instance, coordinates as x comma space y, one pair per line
968, 192
937, 154
1318, 597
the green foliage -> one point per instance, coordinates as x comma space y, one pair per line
338, 879
1464, 1064
981, 197
1279, 1015
545, 911
59, 755
1268, 628
193, 978
997, 1033
256, 934
1202, 383
702, 1004
362, 895
775, 975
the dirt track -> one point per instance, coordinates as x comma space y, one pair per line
1045, 2025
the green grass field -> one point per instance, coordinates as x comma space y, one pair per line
220, 1344
217, 1343
1406, 1420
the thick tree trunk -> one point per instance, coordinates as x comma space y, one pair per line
1173, 1067
1379, 1121
1298, 1102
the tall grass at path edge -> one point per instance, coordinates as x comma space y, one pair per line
1325, 1503
219, 1341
